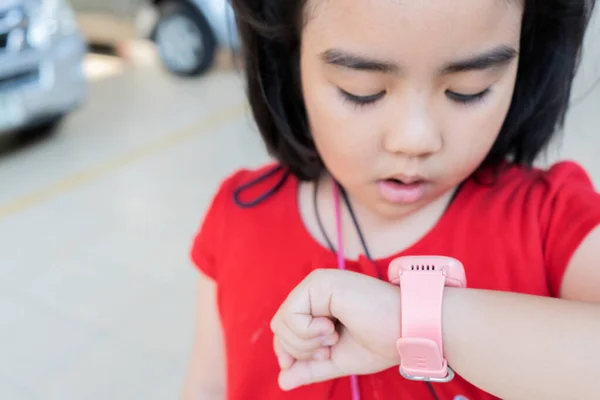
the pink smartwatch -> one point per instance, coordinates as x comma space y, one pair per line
422, 280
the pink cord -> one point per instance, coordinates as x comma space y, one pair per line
342, 265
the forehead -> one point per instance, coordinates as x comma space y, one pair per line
412, 30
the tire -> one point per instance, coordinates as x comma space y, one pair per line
42, 129
186, 44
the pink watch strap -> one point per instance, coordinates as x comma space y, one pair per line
420, 346
422, 280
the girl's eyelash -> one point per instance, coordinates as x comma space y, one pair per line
467, 98
361, 101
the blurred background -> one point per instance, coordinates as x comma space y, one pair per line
118, 119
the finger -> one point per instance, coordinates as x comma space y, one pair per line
294, 352
306, 345
322, 354
316, 352
303, 373
284, 359
306, 326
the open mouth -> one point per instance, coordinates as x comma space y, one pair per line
398, 190
397, 181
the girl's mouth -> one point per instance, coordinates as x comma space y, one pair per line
398, 192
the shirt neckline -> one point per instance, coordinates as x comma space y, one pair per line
325, 252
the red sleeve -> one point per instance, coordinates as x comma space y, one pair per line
209, 240
570, 211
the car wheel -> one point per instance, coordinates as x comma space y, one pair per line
40, 129
186, 44
43, 127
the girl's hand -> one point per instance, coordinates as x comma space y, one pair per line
334, 324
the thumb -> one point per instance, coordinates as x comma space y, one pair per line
303, 373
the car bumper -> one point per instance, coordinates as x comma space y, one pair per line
36, 85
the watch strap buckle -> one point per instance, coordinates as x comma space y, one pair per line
422, 360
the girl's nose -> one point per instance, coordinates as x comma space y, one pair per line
413, 133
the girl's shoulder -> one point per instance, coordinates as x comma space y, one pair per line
557, 176
543, 211
555, 197
253, 191
245, 203
534, 184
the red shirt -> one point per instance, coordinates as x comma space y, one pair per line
516, 234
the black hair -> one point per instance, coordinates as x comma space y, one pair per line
551, 42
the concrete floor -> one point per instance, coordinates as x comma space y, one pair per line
96, 290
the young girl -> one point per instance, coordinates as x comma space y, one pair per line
402, 128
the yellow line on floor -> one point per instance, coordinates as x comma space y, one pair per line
84, 177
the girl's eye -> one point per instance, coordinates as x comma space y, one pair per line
361, 100
467, 98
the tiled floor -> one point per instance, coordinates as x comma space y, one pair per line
96, 291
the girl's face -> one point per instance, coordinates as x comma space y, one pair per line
406, 98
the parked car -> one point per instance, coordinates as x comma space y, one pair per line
107, 23
187, 33
41, 64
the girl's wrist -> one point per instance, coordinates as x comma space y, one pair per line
376, 314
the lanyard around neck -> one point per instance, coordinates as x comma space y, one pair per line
339, 191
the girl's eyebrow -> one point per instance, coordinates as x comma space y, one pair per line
344, 59
498, 56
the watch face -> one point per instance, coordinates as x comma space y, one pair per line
450, 267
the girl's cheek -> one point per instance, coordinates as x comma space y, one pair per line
346, 149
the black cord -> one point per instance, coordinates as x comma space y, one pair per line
352, 215
362, 240
432, 390
356, 225
261, 178
318, 216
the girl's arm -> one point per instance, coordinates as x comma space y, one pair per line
526, 347
523, 347
511, 345
206, 375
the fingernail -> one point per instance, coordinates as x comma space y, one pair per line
319, 356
